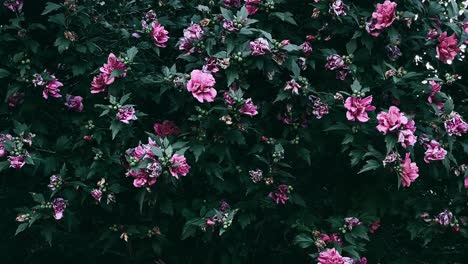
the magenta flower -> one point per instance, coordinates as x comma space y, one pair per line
187, 46
352, 222
406, 138
455, 125
434, 152
391, 120
231, 3
259, 47
409, 171
59, 205
447, 48
436, 87
357, 108
306, 48
252, 6
280, 195
211, 65
166, 128
331, 256
319, 108
334, 62
338, 8
100, 83
445, 218
159, 35
466, 182
3, 138
431, 34
74, 102
14, 5
126, 114
249, 108
52, 88
382, 18
293, 86
201, 86
96, 194
114, 63
194, 32
229, 26
16, 162
179, 166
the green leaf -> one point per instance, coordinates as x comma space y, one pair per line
303, 241
390, 141
285, 17
38, 198
351, 46
371, 165
50, 7
141, 199
115, 127
356, 86
4, 164
131, 53
4, 73
21, 228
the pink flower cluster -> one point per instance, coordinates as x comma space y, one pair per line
455, 125
358, 107
50, 86
280, 195
336, 63
144, 166
382, 18
259, 47
15, 152
201, 86
447, 49
434, 152
192, 34
105, 78
394, 120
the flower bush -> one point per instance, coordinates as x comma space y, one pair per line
320, 131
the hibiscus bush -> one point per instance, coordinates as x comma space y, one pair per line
229, 131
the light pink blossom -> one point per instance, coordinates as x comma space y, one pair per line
358, 108
409, 171
179, 166
434, 152
331, 256
100, 83
259, 47
159, 35
126, 114
249, 108
201, 86
391, 120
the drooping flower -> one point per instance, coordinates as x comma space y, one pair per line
293, 86
306, 48
280, 195
159, 35
431, 34
74, 102
252, 6
179, 166
455, 125
126, 114
334, 62
59, 205
201, 86
259, 47
352, 222
338, 8
434, 152
447, 49
248, 108
231, 3
256, 175
319, 107
358, 108
55, 182
96, 194
407, 138
14, 5
435, 88
409, 171
391, 120
194, 32
382, 18
166, 128
445, 218
100, 83
330, 256
16, 162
